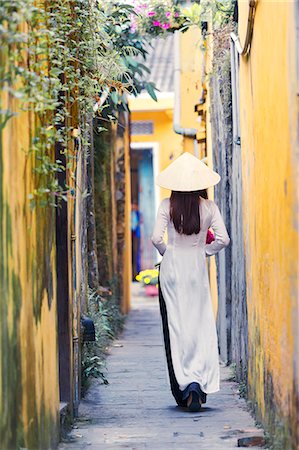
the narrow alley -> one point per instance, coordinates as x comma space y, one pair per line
129, 128
136, 410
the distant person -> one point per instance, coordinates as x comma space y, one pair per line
135, 230
189, 328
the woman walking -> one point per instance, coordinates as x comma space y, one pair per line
188, 322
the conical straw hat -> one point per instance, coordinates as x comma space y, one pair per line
187, 173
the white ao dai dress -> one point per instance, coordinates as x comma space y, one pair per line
184, 284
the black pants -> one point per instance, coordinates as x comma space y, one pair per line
180, 396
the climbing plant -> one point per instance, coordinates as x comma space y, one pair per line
57, 59
217, 13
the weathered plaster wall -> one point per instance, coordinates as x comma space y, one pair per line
269, 137
112, 198
220, 114
29, 394
232, 307
103, 144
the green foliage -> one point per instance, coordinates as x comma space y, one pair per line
156, 17
57, 59
108, 320
131, 47
242, 384
233, 374
218, 12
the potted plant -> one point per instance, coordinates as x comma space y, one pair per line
149, 279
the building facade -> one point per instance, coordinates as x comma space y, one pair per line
268, 105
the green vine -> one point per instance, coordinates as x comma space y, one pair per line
55, 58
58, 60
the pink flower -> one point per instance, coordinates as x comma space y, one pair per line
176, 14
166, 25
168, 14
133, 26
151, 13
156, 23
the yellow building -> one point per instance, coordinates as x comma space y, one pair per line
168, 127
269, 144
29, 390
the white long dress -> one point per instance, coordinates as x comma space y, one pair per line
185, 287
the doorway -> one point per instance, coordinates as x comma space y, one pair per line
143, 208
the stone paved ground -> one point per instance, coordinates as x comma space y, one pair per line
136, 410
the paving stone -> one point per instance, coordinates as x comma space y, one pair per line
137, 411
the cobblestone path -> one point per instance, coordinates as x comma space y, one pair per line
137, 411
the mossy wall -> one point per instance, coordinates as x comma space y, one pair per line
103, 148
232, 309
112, 205
269, 138
29, 394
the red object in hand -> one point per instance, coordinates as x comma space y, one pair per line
210, 237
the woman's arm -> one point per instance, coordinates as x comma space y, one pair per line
221, 236
160, 227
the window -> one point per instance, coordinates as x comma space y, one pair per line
142, 127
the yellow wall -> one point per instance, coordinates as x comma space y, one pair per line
170, 143
191, 65
269, 113
29, 394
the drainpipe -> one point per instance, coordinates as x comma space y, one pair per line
177, 127
249, 31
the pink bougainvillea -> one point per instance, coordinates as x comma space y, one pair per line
145, 12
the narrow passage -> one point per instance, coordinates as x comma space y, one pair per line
136, 410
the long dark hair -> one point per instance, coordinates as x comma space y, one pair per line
184, 211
